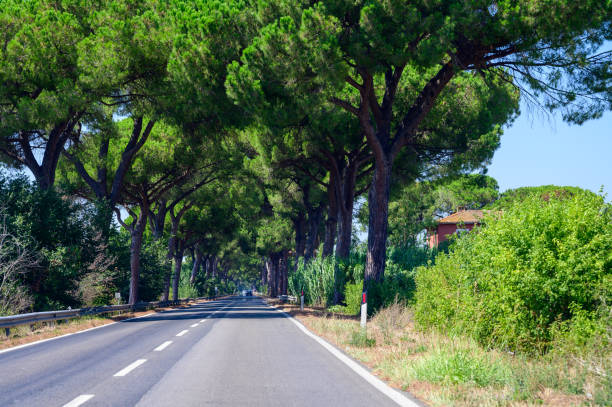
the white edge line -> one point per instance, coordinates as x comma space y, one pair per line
25, 345
162, 346
79, 400
183, 332
354, 366
129, 368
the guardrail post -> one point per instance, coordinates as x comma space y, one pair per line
7, 331
364, 309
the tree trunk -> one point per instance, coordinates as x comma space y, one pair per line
345, 229
172, 248
314, 219
331, 224
197, 262
378, 201
283, 273
135, 248
271, 268
264, 272
213, 266
178, 264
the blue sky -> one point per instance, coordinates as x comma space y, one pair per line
540, 149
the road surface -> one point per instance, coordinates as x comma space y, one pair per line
232, 352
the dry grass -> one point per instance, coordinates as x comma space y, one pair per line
452, 371
24, 334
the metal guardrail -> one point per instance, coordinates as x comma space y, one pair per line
11, 321
286, 298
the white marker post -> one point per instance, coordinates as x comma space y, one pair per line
302, 301
364, 309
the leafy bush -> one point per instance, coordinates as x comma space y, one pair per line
515, 281
318, 280
352, 297
398, 285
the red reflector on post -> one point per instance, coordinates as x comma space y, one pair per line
363, 298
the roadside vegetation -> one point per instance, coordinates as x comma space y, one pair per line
515, 313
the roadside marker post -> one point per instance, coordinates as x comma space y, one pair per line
364, 309
302, 301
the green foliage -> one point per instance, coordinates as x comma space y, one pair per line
361, 339
317, 279
544, 192
352, 297
56, 232
460, 366
541, 266
153, 263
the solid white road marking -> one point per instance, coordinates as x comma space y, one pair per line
381, 386
183, 332
162, 346
193, 326
79, 400
129, 368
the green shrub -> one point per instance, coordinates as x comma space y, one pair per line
352, 297
398, 285
318, 278
510, 283
360, 339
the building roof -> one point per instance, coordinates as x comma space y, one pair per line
465, 216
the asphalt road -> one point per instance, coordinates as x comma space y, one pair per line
231, 352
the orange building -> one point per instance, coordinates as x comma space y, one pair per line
462, 221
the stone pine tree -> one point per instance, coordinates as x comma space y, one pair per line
61, 62
405, 62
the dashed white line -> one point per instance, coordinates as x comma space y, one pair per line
204, 320
193, 326
79, 400
162, 346
183, 332
129, 368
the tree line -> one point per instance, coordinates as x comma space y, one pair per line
243, 132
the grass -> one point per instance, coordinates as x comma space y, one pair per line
445, 370
461, 366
